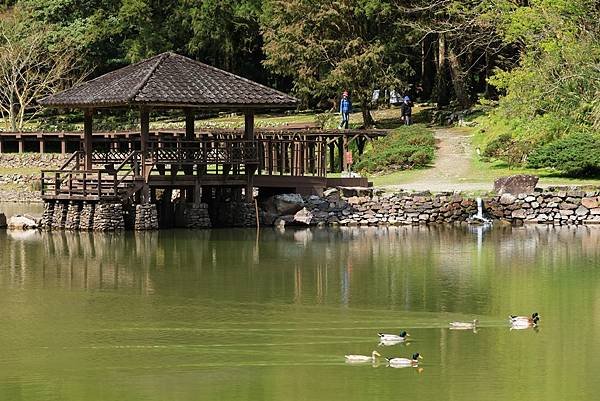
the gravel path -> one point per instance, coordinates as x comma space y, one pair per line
451, 167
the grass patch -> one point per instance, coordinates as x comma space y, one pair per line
405, 148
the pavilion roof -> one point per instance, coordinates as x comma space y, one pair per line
171, 80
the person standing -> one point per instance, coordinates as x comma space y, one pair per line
406, 109
345, 110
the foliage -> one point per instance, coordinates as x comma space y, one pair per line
403, 149
554, 92
576, 155
330, 46
30, 68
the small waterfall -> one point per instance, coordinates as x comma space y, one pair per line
479, 218
479, 214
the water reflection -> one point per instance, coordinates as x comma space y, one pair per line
135, 315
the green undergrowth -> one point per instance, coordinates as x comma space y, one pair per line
405, 148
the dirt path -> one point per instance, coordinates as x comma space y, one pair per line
451, 168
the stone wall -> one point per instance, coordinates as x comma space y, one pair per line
196, 216
108, 217
552, 206
146, 217
233, 214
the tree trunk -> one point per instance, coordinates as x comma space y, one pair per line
427, 68
368, 121
12, 113
458, 79
441, 81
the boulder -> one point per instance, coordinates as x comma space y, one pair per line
19, 222
2, 220
516, 184
303, 216
288, 204
519, 214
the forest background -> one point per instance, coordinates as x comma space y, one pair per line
532, 65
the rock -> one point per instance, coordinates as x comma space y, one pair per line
19, 222
519, 214
590, 203
288, 204
283, 221
328, 192
595, 212
567, 206
348, 192
303, 217
3, 220
516, 184
507, 199
582, 211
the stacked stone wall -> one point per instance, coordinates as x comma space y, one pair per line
146, 217
73, 215
108, 217
196, 216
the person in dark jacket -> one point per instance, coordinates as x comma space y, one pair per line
345, 110
406, 109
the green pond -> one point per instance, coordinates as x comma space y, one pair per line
269, 315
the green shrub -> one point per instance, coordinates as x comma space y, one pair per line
404, 148
497, 146
575, 155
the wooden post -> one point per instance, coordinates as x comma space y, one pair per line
42, 147
1, 145
144, 137
189, 136
63, 144
88, 115
20, 139
249, 135
341, 152
345, 149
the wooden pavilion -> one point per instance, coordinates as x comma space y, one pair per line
199, 164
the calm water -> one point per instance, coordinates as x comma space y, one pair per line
227, 315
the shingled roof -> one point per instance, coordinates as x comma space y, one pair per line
171, 80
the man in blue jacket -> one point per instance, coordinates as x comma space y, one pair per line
345, 110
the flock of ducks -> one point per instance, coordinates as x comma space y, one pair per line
516, 323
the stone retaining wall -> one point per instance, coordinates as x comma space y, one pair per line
558, 207
196, 216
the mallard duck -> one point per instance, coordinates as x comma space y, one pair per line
393, 337
521, 324
362, 358
464, 325
404, 362
524, 319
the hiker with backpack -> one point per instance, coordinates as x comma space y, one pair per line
406, 109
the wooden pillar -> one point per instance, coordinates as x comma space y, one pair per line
332, 157
63, 145
1, 145
42, 147
20, 140
345, 149
144, 137
249, 135
340, 143
88, 115
189, 136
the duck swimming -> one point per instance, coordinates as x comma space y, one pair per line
464, 325
521, 324
362, 358
404, 362
393, 337
524, 319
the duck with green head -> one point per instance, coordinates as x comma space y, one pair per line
405, 362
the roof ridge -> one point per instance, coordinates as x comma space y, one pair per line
138, 88
231, 74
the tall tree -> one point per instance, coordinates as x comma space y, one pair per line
30, 69
334, 45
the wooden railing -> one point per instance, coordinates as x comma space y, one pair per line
293, 157
80, 184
